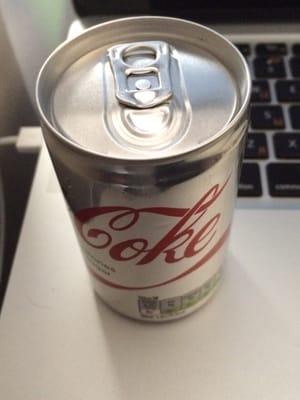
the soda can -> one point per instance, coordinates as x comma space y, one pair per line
145, 120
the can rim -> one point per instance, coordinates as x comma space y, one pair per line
201, 148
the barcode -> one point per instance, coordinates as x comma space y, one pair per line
148, 306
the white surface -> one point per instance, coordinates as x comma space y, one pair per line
58, 341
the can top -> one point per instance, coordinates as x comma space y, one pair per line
143, 88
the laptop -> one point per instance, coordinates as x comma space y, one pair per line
59, 341
271, 171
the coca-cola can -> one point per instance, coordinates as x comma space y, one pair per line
145, 120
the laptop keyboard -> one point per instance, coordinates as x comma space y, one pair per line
271, 166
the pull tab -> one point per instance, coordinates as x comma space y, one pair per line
141, 73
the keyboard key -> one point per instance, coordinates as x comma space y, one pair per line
287, 145
260, 92
296, 49
288, 91
295, 66
269, 67
266, 49
295, 116
244, 49
250, 181
267, 117
284, 179
256, 146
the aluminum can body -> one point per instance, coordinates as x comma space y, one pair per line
152, 212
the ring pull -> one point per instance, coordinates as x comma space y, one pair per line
141, 73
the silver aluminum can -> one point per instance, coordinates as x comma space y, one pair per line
145, 120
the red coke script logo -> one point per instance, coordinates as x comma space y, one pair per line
187, 237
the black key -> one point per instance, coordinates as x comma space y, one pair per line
244, 49
250, 181
288, 91
267, 117
260, 92
296, 49
269, 67
266, 49
287, 145
295, 116
284, 179
256, 146
295, 66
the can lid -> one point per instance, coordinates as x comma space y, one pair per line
143, 88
